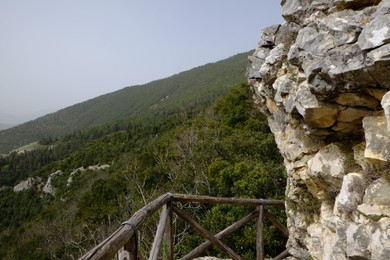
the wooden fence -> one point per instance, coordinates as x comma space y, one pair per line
126, 235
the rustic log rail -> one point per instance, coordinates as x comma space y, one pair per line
126, 235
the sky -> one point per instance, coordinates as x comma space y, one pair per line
54, 53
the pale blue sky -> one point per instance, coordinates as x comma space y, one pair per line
57, 53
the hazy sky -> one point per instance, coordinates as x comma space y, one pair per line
57, 53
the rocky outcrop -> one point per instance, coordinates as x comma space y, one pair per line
26, 184
49, 188
79, 170
322, 80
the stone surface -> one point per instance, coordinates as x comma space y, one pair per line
351, 192
351, 114
376, 33
357, 100
380, 240
357, 242
374, 211
321, 79
378, 192
377, 138
354, 4
386, 108
27, 184
48, 188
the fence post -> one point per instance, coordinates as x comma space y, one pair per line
132, 246
169, 231
158, 239
260, 234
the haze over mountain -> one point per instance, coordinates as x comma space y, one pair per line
11, 120
5, 126
201, 85
65, 52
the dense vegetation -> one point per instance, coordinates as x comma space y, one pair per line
224, 150
193, 89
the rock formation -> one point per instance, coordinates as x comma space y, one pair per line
322, 79
26, 184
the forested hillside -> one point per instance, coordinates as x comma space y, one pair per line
104, 174
187, 90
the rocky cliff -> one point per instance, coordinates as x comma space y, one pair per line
323, 80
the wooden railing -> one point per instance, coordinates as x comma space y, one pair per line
126, 235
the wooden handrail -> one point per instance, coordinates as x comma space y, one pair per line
126, 234
224, 200
112, 244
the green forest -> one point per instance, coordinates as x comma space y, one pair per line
189, 90
222, 149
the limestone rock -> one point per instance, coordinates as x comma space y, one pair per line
27, 184
354, 4
322, 116
377, 93
351, 114
386, 108
347, 64
48, 188
351, 192
295, 11
376, 33
312, 41
380, 240
378, 192
358, 241
267, 38
315, 240
378, 62
377, 138
321, 79
353, 127
357, 100
268, 71
283, 86
343, 26
256, 61
374, 211
326, 169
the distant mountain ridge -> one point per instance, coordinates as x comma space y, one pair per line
201, 85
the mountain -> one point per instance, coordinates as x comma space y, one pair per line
57, 202
150, 101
